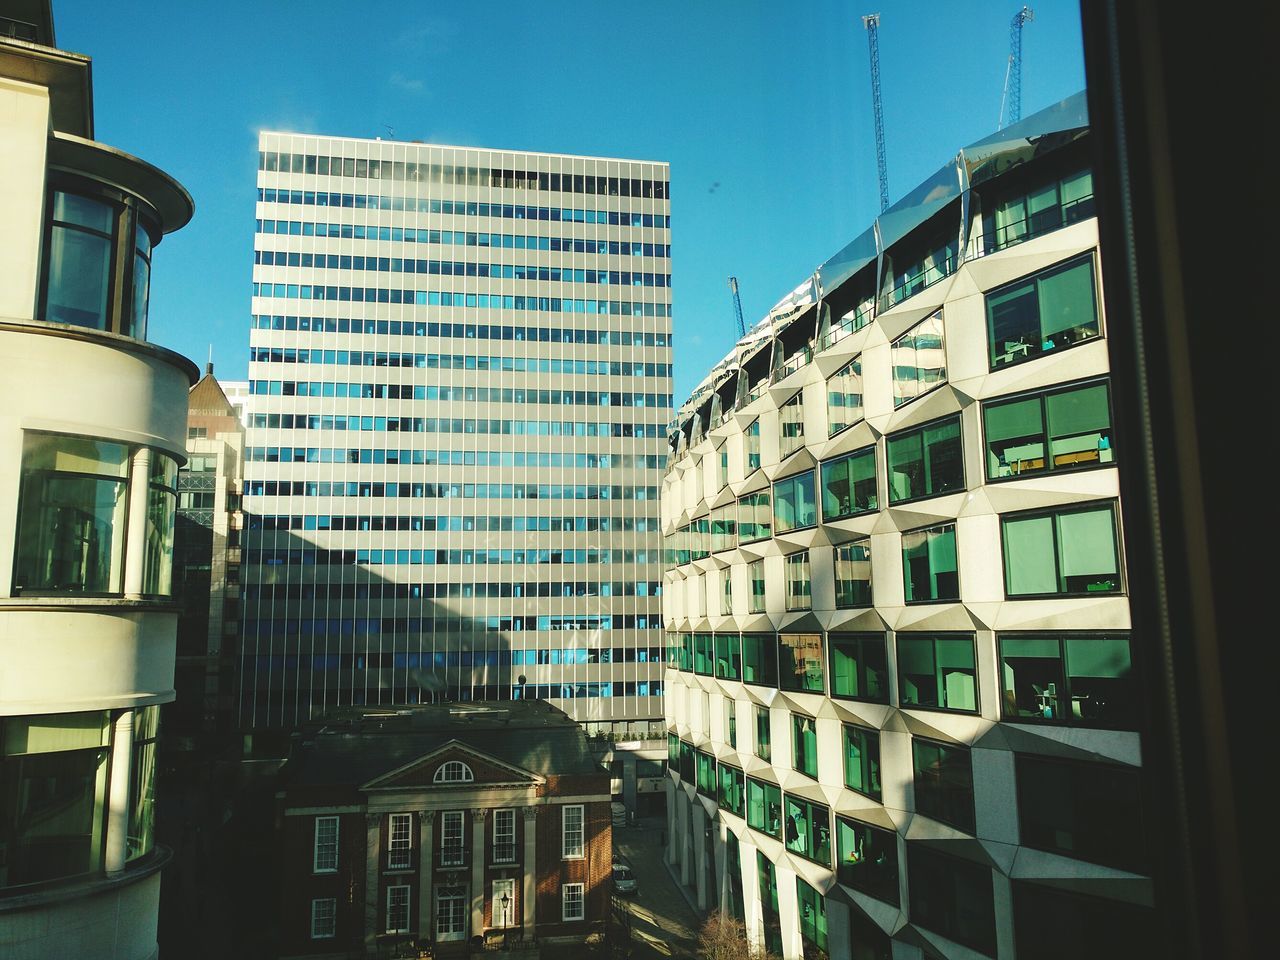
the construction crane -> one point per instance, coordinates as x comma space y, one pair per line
737, 307
1013, 72
872, 24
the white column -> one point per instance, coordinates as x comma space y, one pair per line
118, 800
372, 876
529, 866
478, 821
699, 833
752, 913
135, 548
789, 914
426, 858
721, 864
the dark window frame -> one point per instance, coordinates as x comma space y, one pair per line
1047, 437
1117, 539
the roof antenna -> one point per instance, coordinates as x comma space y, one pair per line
208, 370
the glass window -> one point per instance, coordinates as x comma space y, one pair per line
572, 831
760, 659
1089, 811
324, 857
844, 397
859, 670
1051, 310
573, 899
53, 795
728, 648
800, 662
798, 581
731, 723
943, 782
756, 599
724, 528
162, 503
952, 897
804, 744
1071, 552
850, 322
1076, 679
1064, 430
764, 807
808, 830
732, 790
920, 272
706, 774
453, 771
751, 437
504, 836
399, 840
937, 672
703, 654
398, 909
926, 462
79, 261
755, 517
793, 503
71, 527
929, 564
868, 859
141, 283
1078, 925
919, 360
764, 734
142, 782
791, 426
849, 485
324, 918
1044, 209
813, 915
726, 592
862, 760
853, 574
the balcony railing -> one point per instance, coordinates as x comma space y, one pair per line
1038, 224
849, 324
800, 358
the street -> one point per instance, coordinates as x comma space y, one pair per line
663, 923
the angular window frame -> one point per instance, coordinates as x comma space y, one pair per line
1046, 438
930, 487
1055, 527
852, 371
906, 346
940, 530
1034, 280
837, 641
835, 507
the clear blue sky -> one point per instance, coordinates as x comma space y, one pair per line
763, 110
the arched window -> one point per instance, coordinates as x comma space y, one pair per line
453, 771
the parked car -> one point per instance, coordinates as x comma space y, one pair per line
624, 881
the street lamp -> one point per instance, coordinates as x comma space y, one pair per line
506, 909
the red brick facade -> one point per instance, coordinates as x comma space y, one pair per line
365, 810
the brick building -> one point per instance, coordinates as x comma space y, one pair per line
426, 828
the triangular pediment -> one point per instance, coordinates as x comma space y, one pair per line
486, 769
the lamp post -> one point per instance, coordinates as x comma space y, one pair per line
506, 909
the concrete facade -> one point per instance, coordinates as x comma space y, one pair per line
92, 430
900, 686
459, 389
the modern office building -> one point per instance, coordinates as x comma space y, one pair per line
460, 386
421, 831
92, 433
903, 714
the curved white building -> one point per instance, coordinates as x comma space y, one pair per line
902, 714
92, 431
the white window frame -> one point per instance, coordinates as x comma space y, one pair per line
399, 841
573, 842
453, 771
581, 898
400, 889
447, 817
318, 918
506, 836
324, 860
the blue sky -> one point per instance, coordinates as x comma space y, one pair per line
762, 109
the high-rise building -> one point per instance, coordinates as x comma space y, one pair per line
92, 432
904, 711
460, 375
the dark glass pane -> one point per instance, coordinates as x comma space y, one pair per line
79, 278
1090, 811
1103, 688
800, 662
952, 897
944, 783
1060, 925
868, 859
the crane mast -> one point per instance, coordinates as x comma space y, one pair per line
737, 307
872, 24
1013, 72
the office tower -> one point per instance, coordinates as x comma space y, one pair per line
904, 717
460, 388
92, 432
206, 567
